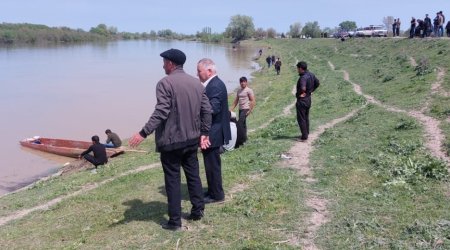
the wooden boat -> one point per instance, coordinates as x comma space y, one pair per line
68, 148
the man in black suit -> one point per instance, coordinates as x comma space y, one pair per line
220, 132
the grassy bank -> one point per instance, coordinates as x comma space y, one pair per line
383, 188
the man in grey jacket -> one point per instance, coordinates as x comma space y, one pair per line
181, 121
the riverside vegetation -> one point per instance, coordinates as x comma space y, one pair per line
36, 34
383, 187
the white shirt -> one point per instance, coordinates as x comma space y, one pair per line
207, 81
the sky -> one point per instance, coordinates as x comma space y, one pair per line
189, 17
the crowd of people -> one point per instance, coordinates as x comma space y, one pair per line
425, 27
193, 113
275, 62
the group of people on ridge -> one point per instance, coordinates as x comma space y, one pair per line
424, 27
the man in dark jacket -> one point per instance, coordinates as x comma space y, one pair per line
305, 86
99, 150
113, 140
220, 132
181, 120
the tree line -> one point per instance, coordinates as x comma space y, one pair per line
241, 27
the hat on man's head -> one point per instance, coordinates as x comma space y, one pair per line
174, 55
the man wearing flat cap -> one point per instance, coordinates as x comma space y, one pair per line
181, 121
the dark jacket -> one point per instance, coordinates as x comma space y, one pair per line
99, 152
182, 112
305, 84
220, 132
114, 139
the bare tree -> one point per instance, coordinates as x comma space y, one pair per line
260, 33
271, 33
295, 30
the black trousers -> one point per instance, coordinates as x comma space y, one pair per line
243, 121
93, 160
213, 169
303, 106
171, 162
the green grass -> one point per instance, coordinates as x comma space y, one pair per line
383, 188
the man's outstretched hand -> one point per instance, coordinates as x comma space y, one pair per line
135, 140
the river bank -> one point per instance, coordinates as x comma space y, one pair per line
80, 90
346, 175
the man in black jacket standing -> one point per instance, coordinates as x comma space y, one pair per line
220, 132
182, 120
305, 86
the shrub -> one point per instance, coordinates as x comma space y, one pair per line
423, 67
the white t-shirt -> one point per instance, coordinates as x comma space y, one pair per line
243, 95
232, 142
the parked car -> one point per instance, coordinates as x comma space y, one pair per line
371, 30
341, 34
352, 33
379, 31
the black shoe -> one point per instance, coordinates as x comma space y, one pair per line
302, 139
170, 227
195, 217
208, 200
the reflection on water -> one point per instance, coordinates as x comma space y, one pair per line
76, 91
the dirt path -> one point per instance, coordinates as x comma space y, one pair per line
436, 87
299, 161
434, 138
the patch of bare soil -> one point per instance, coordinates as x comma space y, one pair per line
412, 61
240, 187
75, 166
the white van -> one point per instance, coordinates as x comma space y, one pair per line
372, 30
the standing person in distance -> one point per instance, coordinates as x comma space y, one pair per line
278, 66
428, 25
181, 119
397, 27
247, 102
306, 84
220, 133
394, 27
412, 30
269, 61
